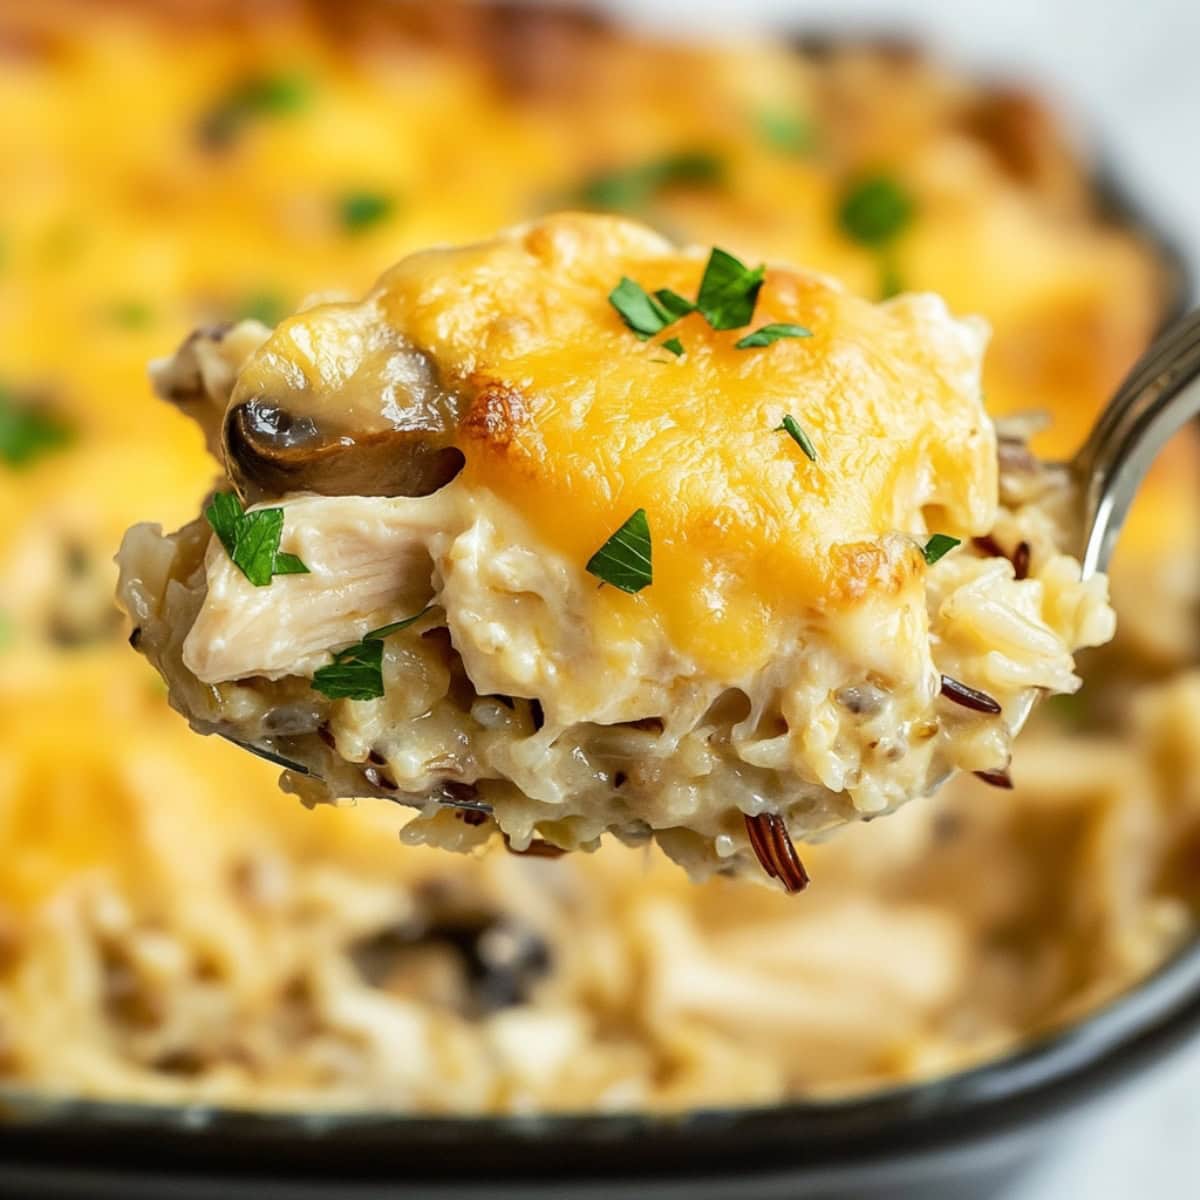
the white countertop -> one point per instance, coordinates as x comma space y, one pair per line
1130, 74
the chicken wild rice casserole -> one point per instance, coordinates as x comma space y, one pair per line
436, 463
174, 930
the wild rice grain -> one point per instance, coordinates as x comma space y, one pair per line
968, 697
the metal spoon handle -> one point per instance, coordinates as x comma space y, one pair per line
1160, 395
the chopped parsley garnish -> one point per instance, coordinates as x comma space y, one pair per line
131, 314
27, 431
257, 96
252, 539
791, 427
624, 560
356, 673
674, 304
875, 211
268, 307
359, 211
630, 189
771, 333
728, 290
938, 546
786, 131
639, 310
726, 299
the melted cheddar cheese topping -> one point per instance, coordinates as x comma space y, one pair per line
791, 643
577, 423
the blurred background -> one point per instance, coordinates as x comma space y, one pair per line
1126, 82
172, 929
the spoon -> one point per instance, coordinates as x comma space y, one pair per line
1157, 398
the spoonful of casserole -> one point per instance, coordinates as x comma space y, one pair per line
573, 532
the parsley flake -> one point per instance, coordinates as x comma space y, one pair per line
786, 131
791, 427
252, 539
674, 345
131, 314
728, 291
625, 559
639, 310
359, 211
630, 189
675, 305
874, 211
938, 546
771, 333
256, 96
385, 631
356, 673
27, 431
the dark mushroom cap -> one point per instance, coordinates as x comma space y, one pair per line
271, 451
366, 416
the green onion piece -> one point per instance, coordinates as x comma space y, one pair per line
674, 345
771, 333
791, 427
639, 310
27, 431
728, 291
938, 546
359, 211
252, 539
875, 211
356, 673
786, 131
624, 560
630, 189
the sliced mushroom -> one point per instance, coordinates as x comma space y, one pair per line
339, 404
271, 451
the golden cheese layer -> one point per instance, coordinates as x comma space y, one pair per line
787, 645
577, 423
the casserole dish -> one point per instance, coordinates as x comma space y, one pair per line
192, 1136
